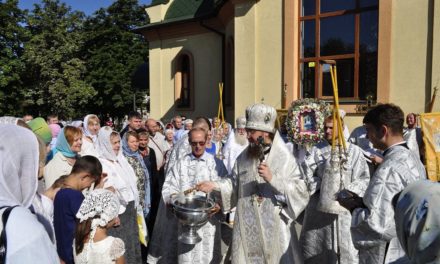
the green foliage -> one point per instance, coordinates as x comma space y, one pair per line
12, 37
54, 67
113, 53
55, 60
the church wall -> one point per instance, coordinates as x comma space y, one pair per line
258, 53
245, 56
435, 79
230, 113
157, 13
206, 53
269, 52
410, 58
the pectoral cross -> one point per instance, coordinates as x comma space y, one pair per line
258, 198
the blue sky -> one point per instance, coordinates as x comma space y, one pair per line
87, 6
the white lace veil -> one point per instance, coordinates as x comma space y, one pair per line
19, 159
102, 204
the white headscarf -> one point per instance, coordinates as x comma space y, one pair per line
417, 216
18, 166
105, 145
9, 120
124, 175
86, 130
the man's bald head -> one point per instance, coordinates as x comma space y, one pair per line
151, 125
202, 122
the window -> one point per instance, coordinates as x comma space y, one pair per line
344, 31
183, 81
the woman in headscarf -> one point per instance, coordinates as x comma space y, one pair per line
27, 240
417, 216
121, 178
169, 135
68, 146
90, 136
130, 149
55, 130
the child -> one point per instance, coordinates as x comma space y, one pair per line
98, 212
86, 171
42, 206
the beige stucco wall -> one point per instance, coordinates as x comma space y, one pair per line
206, 52
435, 80
258, 53
157, 13
409, 49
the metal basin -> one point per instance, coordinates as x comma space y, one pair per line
192, 212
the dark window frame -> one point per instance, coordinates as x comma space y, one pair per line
318, 89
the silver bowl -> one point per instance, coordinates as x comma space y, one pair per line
192, 212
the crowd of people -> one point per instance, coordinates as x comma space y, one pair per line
84, 193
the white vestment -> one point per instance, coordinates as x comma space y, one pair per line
231, 150
264, 230
89, 148
324, 235
164, 246
373, 227
180, 149
160, 147
413, 138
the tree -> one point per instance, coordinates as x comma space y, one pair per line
55, 71
12, 36
113, 53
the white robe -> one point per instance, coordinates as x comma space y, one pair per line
413, 138
231, 151
88, 148
323, 235
160, 147
180, 149
264, 231
164, 246
373, 227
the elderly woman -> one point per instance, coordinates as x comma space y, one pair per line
68, 146
90, 136
26, 237
122, 179
169, 135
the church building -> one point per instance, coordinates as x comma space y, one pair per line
275, 51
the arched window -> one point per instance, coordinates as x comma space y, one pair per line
183, 81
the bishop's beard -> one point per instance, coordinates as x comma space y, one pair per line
254, 150
240, 139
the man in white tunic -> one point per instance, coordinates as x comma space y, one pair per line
182, 147
191, 169
157, 142
373, 229
413, 134
324, 236
268, 191
236, 143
